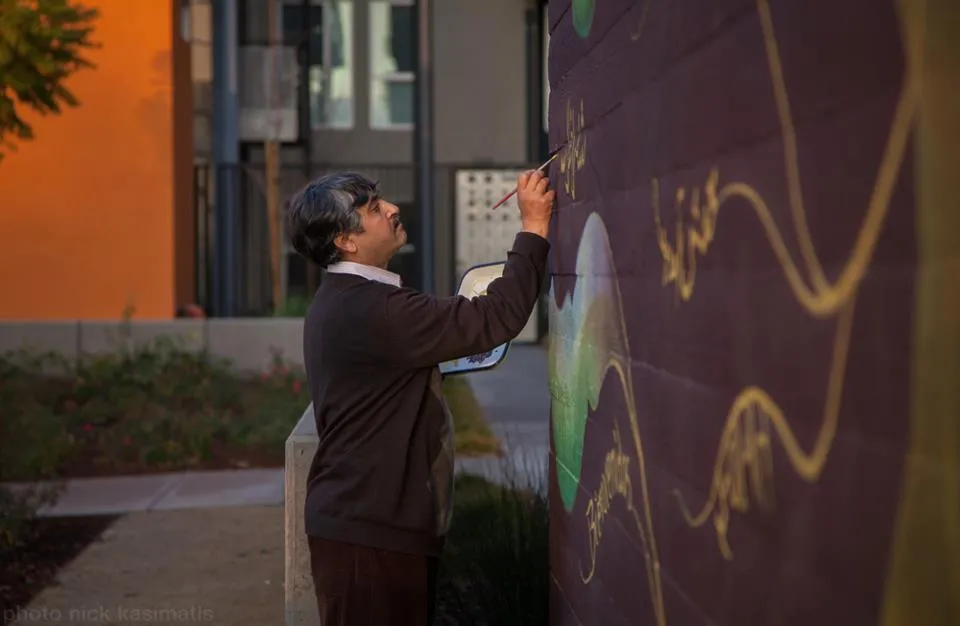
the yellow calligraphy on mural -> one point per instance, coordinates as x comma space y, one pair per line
614, 481
745, 457
743, 468
574, 155
680, 258
814, 292
743, 447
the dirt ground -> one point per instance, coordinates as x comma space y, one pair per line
200, 566
47, 544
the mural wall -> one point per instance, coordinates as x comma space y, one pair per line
736, 320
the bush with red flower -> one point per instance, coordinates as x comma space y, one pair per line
137, 409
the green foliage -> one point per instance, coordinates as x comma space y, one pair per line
472, 434
161, 406
41, 45
136, 408
32, 444
293, 306
495, 567
157, 406
18, 507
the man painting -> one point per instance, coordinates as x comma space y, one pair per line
379, 489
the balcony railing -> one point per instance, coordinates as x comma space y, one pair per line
396, 183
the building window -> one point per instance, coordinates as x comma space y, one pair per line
325, 39
392, 63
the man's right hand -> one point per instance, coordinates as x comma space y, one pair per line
536, 202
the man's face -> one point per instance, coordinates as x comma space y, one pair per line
383, 233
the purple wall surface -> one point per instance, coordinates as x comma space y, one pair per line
734, 319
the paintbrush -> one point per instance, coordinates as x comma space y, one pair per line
539, 169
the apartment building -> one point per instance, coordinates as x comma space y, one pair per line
344, 100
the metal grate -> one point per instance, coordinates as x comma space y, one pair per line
482, 235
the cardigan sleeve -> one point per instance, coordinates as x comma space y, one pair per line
424, 330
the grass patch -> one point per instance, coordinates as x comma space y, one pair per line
495, 567
473, 436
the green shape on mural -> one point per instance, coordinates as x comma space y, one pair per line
587, 339
583, 16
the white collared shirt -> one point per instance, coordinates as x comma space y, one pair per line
365, 271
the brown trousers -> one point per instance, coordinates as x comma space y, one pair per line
360, 586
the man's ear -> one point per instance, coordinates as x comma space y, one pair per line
345, 243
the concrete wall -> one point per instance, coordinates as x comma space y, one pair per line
480, 98
93, 207
733, 442
248, 342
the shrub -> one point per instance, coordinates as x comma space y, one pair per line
293, 306
495, 568
158, 406
32, 445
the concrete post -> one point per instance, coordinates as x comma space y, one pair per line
300, 604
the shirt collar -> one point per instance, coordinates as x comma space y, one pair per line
366, 271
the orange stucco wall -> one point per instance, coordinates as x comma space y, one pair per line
87, 207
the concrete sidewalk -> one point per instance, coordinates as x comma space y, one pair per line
168, 568
120, 495
116, 495
515, 398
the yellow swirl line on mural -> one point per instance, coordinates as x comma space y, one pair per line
791, 161
740, 446
645, 525
823, 299
744, 459
615, 480
740, 443
828, 299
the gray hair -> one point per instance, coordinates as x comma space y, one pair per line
323, 210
